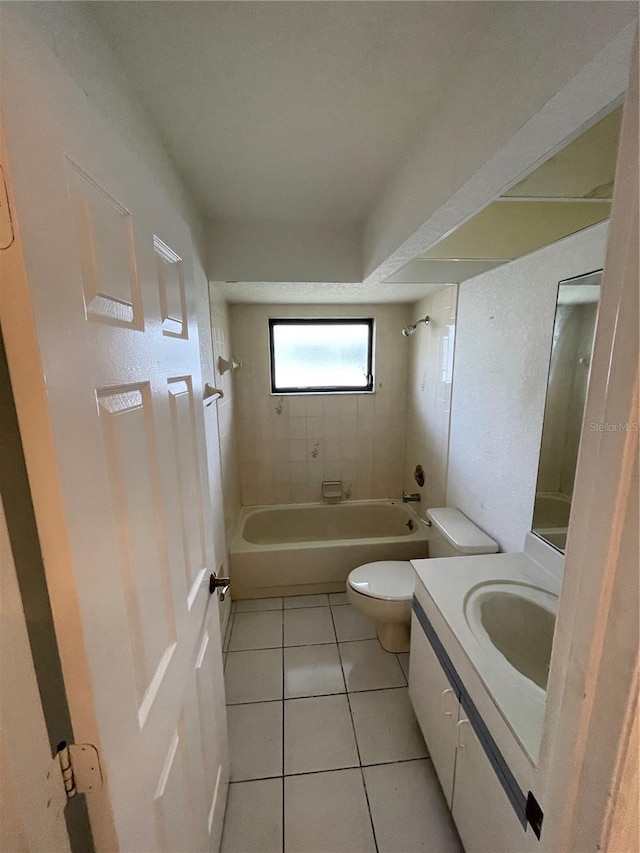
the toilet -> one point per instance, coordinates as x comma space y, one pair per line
383, 590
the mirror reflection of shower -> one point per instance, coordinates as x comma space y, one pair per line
409, 330
573, 333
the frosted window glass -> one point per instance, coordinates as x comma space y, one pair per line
321, 355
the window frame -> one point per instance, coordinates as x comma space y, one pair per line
323, 389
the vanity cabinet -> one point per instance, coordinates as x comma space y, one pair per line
481, 811
436, 706
483, 814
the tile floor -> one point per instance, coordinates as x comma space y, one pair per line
326, 754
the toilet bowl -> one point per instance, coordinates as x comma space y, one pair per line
383, 590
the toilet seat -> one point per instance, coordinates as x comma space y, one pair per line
389, 580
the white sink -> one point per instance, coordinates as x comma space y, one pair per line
500, 609
518, 620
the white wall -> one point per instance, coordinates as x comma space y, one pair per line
429, 396
272, 251
503, 343
290, 444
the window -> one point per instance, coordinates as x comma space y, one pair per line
321, 355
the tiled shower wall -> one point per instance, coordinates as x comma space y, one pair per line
227, 426
429, 396
288, 445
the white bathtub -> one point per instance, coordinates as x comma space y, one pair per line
311, 548
551, 509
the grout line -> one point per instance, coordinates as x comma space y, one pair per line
262, 610
254, 702
396, 761
319, 695
303, 645
256, 649
366, 796
355, 737
331, 642
314, 696
406, 680
344, 680
227, 634
300, 607
332, 770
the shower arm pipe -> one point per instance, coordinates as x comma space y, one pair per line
409, 330
426, 320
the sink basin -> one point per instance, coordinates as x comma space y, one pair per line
518, 620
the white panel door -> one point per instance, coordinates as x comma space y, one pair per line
99, 301
31, 807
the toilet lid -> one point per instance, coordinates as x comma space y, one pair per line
392, 580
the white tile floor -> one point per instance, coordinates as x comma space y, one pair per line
326, 754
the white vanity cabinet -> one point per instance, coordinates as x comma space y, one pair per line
483, 814
436, 706
481, 810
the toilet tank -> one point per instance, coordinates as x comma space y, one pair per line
455, 535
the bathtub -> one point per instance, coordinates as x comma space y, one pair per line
551, 509
303, 549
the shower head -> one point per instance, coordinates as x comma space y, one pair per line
409, 330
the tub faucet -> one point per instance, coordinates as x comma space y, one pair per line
410, 498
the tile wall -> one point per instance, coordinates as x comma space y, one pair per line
288, 445
429, 396
227, 415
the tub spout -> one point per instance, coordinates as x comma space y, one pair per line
415, 497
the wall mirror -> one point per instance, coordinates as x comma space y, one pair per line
573, 333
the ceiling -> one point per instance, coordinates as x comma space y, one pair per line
323, 293
568, 192
294, 112
302, 113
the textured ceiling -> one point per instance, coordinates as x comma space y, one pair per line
322, 293
297, 112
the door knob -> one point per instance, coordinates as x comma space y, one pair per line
222, 584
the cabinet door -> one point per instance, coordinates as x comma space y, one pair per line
436, 706
482, 813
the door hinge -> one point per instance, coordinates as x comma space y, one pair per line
75, 769
7, 234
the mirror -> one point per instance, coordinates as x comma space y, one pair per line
573, 332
